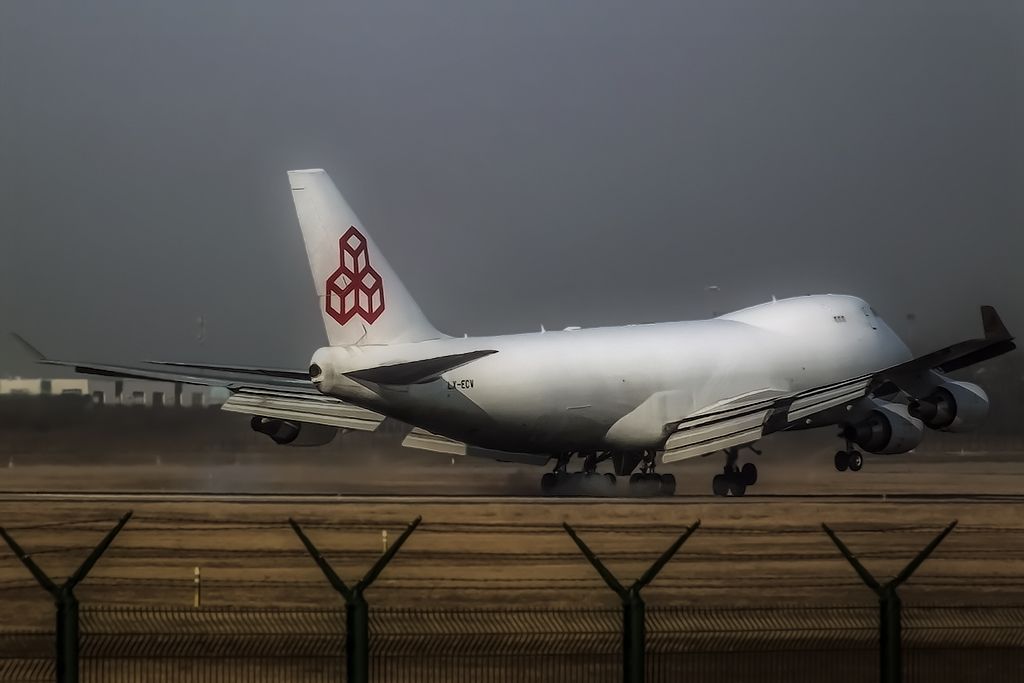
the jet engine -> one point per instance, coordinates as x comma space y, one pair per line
952, 406
888, 428
292, 433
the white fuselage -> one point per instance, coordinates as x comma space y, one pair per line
617, 388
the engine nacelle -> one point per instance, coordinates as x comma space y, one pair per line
888, 428
952, 407
291, 433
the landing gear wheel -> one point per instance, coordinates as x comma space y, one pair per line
842, 461
856, 461
748, 474
720, 485
668, 485
645, 484
610, 477
548, 481
737, 487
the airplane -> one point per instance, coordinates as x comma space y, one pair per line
623, 395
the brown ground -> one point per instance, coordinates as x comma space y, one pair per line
765, 549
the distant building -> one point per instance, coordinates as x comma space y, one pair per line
114, 392
44, 387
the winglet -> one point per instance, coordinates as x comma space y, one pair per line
993, 325
36, 354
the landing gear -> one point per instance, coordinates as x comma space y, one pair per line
588, 482
578, 484
735, 479
850, 459
856, 461
842, 461
650, 484
647, 482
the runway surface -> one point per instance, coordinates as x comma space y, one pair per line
489, 539
488, 551
374, 499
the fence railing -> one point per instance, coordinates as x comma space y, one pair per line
144, 645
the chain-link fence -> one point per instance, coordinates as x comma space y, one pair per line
784, 645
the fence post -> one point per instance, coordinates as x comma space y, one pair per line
357, 611
890, 654
633, 608
65, 600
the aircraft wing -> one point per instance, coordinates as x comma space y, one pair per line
747, 418
274, 393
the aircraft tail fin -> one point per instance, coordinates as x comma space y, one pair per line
362, 300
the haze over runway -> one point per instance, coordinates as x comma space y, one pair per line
567, 164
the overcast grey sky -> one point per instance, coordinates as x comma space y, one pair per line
520, 163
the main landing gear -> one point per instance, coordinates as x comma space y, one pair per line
735, 479
643, 480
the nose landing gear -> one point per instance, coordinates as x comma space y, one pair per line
850, 459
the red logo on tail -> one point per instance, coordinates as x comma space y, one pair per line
355, 287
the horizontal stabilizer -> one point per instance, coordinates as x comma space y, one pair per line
417, 371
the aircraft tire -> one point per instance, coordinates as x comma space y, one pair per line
548, 482
842, 461
748, 475
642, 485
720, 485
668, 484
737, 487
856, 461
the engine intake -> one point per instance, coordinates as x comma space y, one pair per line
292, 433
952, 407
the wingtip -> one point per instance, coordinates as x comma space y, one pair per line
993, 324
36, 354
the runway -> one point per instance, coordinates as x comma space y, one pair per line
483, 551
284, 498
490, 539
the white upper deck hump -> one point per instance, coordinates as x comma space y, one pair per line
362, 300
793, 316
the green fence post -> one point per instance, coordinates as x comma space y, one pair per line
357, 611
890, 654
65, 600
633, 607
